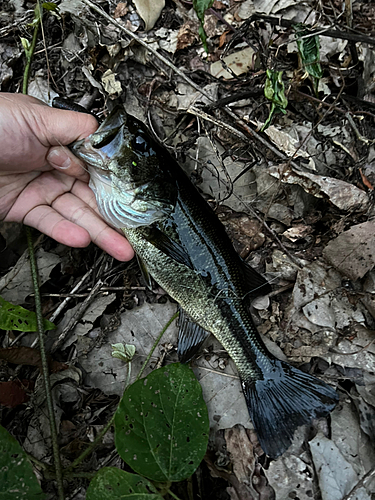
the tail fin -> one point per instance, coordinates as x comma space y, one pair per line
282, 401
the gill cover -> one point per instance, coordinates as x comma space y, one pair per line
131, 185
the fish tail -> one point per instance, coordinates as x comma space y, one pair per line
281, 401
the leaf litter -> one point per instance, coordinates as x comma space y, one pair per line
298, 206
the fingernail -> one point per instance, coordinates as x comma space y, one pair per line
59, 158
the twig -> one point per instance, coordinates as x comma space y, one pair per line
219, 373
77, 316
198, 112
285, 23
77, 287
360, 484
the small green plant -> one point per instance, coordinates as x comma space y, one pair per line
14, 317
17, 479
274, 91
309, 54
200, 7
161, 432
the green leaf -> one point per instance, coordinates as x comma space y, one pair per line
114, 484
17, 318
161, 424
17, 480
200, 7
25, 44
274, 91
49, 5
308, 50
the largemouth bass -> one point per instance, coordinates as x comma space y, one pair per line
180, 242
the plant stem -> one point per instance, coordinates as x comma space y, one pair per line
99, 437
175, 316
29, 57
173, 495
38, 304
45, 369
91, 446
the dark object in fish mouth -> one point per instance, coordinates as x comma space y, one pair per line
180, 242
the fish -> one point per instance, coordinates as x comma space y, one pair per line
180, 243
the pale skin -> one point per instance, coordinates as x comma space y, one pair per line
42, 184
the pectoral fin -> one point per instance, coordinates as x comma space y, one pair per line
166, 245
190, 338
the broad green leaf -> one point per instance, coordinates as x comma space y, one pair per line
275, 92
308, 50
200, 7
17, 480
161, 424
49, 5
114, 484
17, 318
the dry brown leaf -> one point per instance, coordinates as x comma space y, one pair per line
149, 10
365, 180
223, 38
241, 452
13, 393
187, 35
353, 252
29, 356
342, 194
120, 10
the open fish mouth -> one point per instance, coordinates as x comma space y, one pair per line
127, 192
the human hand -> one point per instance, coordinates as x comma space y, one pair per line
42, 184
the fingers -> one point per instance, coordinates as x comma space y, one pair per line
46, 204
48, 221
76, 210
43, 190
51, 223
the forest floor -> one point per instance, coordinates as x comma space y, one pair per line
296, 199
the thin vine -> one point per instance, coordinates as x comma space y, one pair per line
29, 51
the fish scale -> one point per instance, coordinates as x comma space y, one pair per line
181, 243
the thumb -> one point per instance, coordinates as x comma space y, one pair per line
61, 158
61, 127
64, 127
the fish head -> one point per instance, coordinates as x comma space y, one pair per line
128, 174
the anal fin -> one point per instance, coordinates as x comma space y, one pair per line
190, 338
